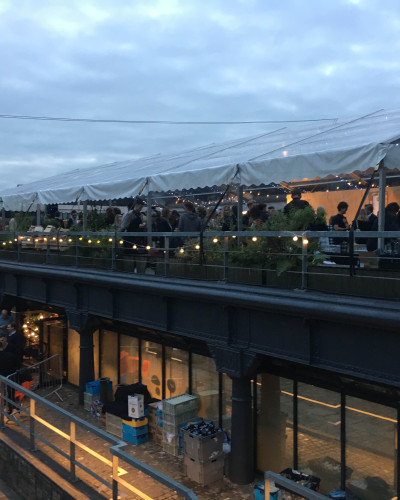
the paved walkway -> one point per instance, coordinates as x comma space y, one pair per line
149, 453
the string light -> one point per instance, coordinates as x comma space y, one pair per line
295, 238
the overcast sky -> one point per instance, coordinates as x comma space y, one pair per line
182, 60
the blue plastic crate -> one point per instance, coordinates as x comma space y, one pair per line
135, 439
259, 492
94, 387
128, 430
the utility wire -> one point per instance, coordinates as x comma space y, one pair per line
161, 122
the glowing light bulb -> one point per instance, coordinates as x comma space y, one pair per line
254, 238
197, 247
215, 240
295, 238
181, 250
305, 241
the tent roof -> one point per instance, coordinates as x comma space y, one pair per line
284, 154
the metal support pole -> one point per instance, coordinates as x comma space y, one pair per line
166, 255
76, 251
226, 256
148, 219
382, 202
72, 436
38, 215
86, 362
114, 253
397, 469
304, 241
47, 250
241, 470
3, 389
19, 248
84, 215
32, 424
115, 477
295, 425
240, 209
343, 441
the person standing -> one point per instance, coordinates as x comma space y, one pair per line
297, 203
73, 220
189, 221
5, 319
369, 208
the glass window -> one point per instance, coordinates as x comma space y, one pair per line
73, 356
109, 360
151, 368
319, 434
274, 423
128, 359
226, 402
370, 449
205, 386
176, 372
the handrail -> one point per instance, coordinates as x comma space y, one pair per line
115, 449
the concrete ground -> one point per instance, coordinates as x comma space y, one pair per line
149, 453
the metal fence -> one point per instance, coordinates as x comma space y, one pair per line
44, 377
7, 391
315, 260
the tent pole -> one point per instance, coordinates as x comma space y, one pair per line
148, 221
240, 209
38, 214
84, 215
382, 202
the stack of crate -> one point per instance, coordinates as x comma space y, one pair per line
114, 424
177, 411
92, 393
155, 422
203, 459
136, 430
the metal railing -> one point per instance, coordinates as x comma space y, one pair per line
251, 257
290, 486
8, 387
46, 376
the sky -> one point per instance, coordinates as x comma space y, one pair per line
181, 60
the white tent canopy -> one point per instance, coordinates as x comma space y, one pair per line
308, 152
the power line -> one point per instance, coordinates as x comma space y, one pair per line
157, 122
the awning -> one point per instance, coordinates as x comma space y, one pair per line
283, 154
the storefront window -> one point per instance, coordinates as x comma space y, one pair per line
370, 449
319, 435
73, 357
176, 372
226, 402
205, 386
109, 359
274, 423
128, 359
152, 368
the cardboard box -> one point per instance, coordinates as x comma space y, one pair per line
136, 406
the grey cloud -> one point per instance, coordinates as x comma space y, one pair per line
209, 60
